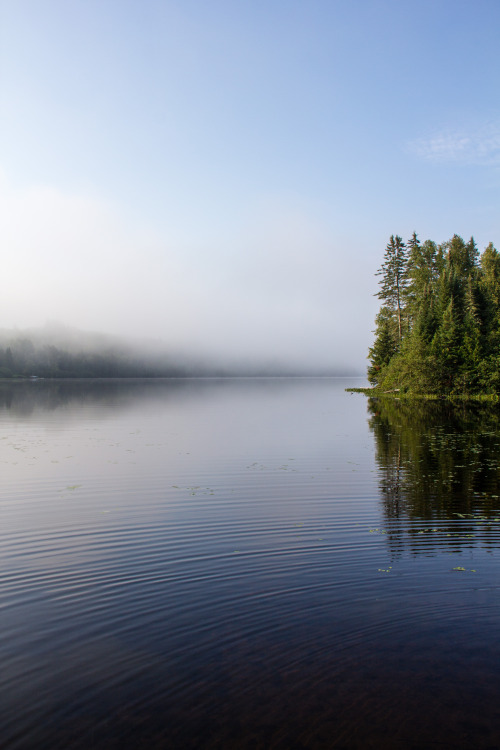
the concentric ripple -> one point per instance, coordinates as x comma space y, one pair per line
244, 564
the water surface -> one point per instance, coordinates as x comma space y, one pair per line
263, 563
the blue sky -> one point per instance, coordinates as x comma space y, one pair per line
224, 176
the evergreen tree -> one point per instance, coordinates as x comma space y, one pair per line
9, 360
471, 340
461, 257
446, 345
438, 329
414, 250
490, 267
384, 347
489, 281
424, 262
394, 280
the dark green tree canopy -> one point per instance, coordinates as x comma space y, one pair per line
438, 330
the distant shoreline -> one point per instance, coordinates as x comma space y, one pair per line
208, 376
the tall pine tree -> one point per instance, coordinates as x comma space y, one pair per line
394, 282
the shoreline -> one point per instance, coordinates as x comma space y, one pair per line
396, 394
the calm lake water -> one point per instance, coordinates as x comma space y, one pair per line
262, 563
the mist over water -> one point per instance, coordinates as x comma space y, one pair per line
221, 181
58, 351
220, 563
271, 291
191, 191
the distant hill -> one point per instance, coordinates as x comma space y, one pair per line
56, 351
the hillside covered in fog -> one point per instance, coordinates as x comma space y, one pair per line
55, 351
58, 352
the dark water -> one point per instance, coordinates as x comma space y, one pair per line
246, 564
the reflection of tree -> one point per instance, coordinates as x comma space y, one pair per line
25, 397
438, 462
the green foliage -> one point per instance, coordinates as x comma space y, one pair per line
385, 345
394, 280
438, 330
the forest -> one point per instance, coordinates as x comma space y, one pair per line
57, 351
23, 357
438, 327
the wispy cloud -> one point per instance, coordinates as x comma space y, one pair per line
479, 146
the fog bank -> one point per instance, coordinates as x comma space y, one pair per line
274, 290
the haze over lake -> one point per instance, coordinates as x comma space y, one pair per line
246, 563
192, 188
223, 177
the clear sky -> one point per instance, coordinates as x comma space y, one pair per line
224, 175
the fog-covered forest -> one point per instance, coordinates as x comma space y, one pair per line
26, 355
56, 351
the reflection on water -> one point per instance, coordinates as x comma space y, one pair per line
245, 564
36, 397
439, 472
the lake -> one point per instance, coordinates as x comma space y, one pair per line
247, 563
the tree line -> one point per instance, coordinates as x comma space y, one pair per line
22, 358
438, 327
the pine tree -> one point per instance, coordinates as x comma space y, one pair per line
471, 353
489, 283
384, 347
394, 280
9, 360
446, 346
490, 266
424, 262
438, 329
